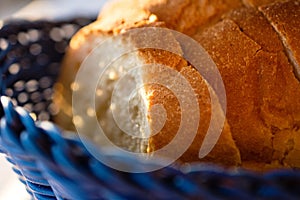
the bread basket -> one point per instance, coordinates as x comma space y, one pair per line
53, 166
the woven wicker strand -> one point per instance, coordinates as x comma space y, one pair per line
75, 174
53, 166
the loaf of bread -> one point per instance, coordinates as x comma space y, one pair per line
255, 46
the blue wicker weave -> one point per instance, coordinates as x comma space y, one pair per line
53, 166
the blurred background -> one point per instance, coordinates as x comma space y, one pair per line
10, 187
48, 9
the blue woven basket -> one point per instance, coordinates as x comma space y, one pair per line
55, 167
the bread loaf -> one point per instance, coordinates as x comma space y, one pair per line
254, 44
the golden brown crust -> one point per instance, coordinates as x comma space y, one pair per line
249, 132
121, 13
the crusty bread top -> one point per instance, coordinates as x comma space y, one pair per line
185, 16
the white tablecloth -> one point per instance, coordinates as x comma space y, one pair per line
10, 187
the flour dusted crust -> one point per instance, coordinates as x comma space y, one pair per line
284, 17
255, 45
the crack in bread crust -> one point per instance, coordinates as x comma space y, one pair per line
256, 3
254, 25
279, 26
